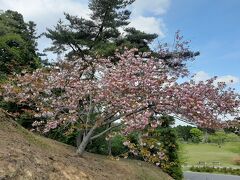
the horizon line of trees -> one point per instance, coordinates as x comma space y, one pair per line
190, 134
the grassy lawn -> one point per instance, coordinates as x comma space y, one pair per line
193, 153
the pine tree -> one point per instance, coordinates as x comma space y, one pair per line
101, 34
137, 39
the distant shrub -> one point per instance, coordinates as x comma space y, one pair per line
231, 137
183, 132
117, 147
181, 140
159, 147
208, 169
218, 137
196, 135
59, 134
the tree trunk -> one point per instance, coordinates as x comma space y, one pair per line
110, 147
81, 148
79, 138
205, 137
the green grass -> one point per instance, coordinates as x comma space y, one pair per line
191, 154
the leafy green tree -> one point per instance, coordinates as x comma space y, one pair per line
183, 132
18, 44
232, 137
196, 135
15, 55
18, 53
233, 126
101, 34
108, 145
218, 137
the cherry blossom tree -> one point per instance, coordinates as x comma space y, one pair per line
95, 92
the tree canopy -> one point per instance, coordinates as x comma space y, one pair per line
136, 88
88, 91
99, 35
17, 43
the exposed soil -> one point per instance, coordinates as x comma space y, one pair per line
24, 155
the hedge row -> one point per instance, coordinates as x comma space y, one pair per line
224, 170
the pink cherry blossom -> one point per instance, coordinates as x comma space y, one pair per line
129, 91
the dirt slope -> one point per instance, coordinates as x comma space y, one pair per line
24, 155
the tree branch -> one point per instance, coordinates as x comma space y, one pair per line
125, 115
105, 131
90, 110
100, 30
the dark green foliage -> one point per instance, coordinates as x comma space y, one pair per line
218, 137
103, 146
15, 55
235, 130
196, 135
162, 139
232, 137
107, 145
137, 39
100, 35
110, 14
23, 118
26, 120
17, 44
99, 146
223, 170
117, 147
60, 135
183, 132
168, 139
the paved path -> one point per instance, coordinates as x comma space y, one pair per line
207, 176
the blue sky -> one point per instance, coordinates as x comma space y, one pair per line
211, 25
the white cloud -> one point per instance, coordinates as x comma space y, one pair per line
46, 13
148, 25
228, 79
201, 76
146, 16
155, 7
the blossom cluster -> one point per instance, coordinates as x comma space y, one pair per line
132, 89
